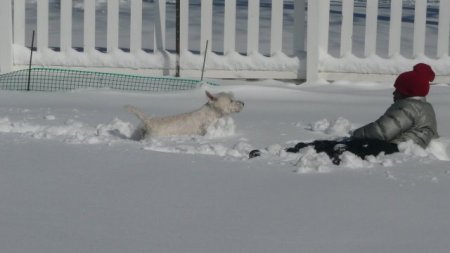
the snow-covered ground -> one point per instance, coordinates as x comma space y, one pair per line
72, 180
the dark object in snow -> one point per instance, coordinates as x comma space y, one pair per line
335, 148
254, 153
359, 147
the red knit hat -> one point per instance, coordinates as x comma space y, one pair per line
416, 82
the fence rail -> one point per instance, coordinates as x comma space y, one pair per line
287, 39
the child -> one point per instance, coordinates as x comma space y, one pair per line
410, 117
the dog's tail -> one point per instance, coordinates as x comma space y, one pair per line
140, 114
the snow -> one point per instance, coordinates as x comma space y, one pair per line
73, 180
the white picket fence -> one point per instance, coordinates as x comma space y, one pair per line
309, 57
413, 27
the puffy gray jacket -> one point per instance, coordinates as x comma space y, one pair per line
411, 118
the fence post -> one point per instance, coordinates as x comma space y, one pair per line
443, 28
206, 24
112, 34
324, 23
6, 38
136, 26
276, 27
395, 27
184, 26
347, 27
420, 19
160, 25
370, 42
66, 27
89, 26
317, 38
312, 63
229, 38
253, 27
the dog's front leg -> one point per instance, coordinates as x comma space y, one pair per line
204, 128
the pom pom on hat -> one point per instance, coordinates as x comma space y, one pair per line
416, 82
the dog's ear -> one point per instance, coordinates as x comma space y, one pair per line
210, 96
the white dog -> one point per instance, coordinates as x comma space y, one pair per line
191, 123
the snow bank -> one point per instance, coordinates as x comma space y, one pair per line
375, 64
118, 131
72, 131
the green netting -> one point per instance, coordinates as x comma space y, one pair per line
51, 79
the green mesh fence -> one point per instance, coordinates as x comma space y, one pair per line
50, 79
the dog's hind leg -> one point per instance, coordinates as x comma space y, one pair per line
139, 133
